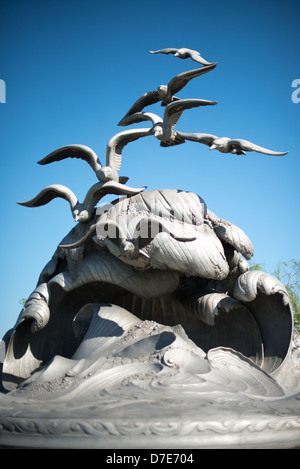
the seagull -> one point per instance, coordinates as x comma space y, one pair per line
165, 93
163, 129
81, 212
228, 145
182, 53
113, 155
118, 243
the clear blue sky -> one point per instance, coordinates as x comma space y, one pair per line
72, 70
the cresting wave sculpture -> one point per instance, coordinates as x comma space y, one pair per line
146, 328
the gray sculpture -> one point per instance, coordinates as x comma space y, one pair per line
163, 129
228, 145
146, 328
110, 172
183, 53
80, 211
165, 93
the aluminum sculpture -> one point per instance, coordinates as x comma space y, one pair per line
147, 329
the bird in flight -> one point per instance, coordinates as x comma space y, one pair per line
81, 212
163, 129
165, 93
183, 53
110, 172
227, 145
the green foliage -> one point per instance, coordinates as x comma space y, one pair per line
289, 275
257, 267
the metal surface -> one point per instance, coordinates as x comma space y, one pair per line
147, 329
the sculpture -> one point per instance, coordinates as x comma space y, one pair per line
236, 146
183, 53
163, 129
165, 93
80, 211
146, 328
113, 155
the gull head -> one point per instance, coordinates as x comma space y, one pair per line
220, 144
162, 91
80, 214
158, 130
128, 249
106, 174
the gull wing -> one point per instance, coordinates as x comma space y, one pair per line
100, 189
174, 110
141, 117
49, 193
181, 80
88, 235
73, 151
206, 139
98, 228
147, 99
118, 142
195, 55
184, 52
244, 145
168, 50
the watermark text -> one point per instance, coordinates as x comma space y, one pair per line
117, 221
2, 91
296, 92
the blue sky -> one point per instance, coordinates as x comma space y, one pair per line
73, 69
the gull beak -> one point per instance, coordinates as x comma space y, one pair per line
156, 132
143, 254
213, 147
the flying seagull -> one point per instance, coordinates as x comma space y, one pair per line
81, 211
163, 129
182, 53
113, 155
227, 145
165, 93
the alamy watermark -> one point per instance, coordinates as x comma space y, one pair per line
296, 92
118, 221
2, 91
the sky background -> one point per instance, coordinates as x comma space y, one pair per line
73, 69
